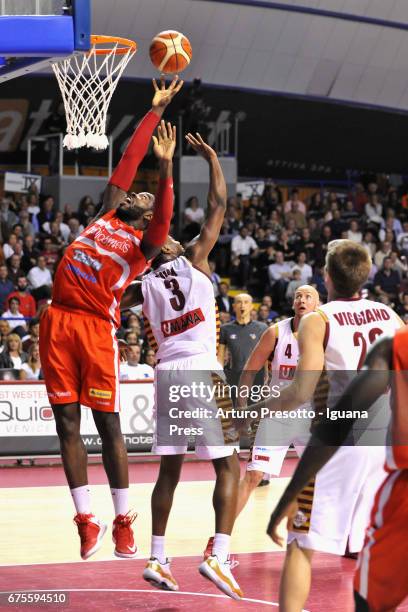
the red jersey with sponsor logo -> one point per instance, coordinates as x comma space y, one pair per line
98, 266
397, 455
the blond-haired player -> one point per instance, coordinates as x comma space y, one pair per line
279, 345
334, 340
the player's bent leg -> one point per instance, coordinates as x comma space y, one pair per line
74, 458
157, 571
115, 461
248, 484
295, 579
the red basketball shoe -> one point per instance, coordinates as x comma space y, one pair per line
91, 532
122, 536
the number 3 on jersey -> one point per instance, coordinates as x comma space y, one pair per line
359, 340
178, 301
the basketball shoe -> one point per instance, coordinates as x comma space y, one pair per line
220, 574
208, 553
122, 536
159, 575
91, 532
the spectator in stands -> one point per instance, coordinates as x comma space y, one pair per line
133, 369
63, 230
383, 252
225, 317
131, 337
6, 286
294, 284
317, 281
391, 223
14, 269
402, 307
86, 210
305, 269
46, 213
243, 247
232, 220
7, 217
33, 207
263, 314
30, 254
13, 314
369, 243
294, 198
40, 280
354, 233
280, 274
337, 224
33, 335
8, 247
387, 280
24, 220
402, 240
267, 301
75, 228
13, 355
285, 246
295, 214
27, 302
193, 217
223, 300
399, 264
149, 358
373, 210
31, 370
307, 245
51, 253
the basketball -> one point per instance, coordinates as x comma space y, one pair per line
170, 52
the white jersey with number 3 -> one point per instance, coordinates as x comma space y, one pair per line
179, 304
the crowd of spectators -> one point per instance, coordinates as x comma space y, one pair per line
270, 245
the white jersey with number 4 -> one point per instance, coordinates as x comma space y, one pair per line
179, 304
285, 355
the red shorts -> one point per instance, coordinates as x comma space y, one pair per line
382, 573
79, 359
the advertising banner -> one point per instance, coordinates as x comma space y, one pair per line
27, 425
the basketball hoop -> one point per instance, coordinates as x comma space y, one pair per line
87, 83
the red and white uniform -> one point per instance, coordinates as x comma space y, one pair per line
334, 509
79, 353
382, 573
283, 363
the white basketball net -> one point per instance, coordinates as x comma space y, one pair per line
87, 83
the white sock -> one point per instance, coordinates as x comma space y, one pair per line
221, 546
120, 498
82, 499
158, 548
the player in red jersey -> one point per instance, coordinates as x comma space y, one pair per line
79, 350
381, 579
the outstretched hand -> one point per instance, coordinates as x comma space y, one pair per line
165, 141
162, 96
201, 147
288, 512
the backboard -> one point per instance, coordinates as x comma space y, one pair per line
33, 33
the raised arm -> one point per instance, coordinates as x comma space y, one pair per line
365, 389
198, 250
124, 173
156, 234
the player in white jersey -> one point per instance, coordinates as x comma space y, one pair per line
179, 304
333, 341
279, 346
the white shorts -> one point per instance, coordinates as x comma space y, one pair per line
335, 507
269, 459
183, 411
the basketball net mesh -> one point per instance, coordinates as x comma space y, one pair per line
87, 83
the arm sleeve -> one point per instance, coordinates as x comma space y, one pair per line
135, 151
159, 226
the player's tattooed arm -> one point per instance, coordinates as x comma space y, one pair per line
198, 250
133, 296
369, 384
